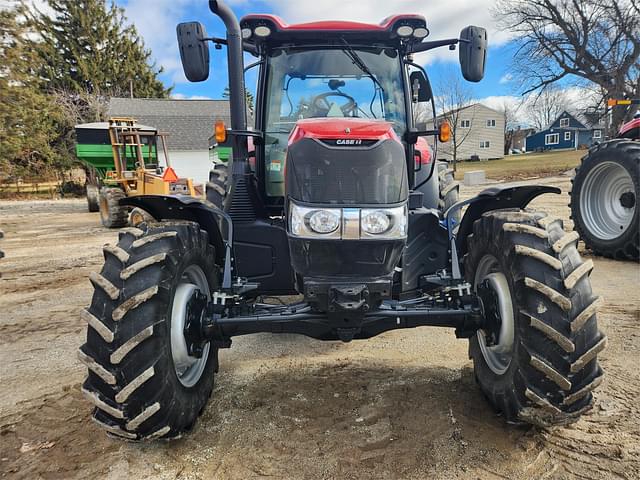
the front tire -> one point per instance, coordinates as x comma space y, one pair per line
604, 199
542, 367
112, 214
143, 380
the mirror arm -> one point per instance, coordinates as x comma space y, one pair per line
257, 136
424, 46
412, 135
254, 64
223, 41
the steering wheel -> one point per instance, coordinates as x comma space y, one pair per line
322, 105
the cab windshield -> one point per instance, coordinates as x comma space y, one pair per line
339, 82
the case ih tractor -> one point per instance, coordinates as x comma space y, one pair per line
336, 196
605, 192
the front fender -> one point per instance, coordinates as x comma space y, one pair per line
183, 207
494, 198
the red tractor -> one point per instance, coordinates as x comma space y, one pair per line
605, 192
336, 196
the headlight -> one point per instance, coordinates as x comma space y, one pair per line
306, 222
262, 31
376, 222
324, 221
348, 223
405, 31
384, 223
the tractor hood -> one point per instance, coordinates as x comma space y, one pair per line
347, 162
352, 130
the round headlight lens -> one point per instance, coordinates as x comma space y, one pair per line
376, 222
246, 33
324, 221
420, 32
404, 31
262, 31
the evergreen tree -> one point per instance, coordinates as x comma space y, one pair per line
27, 116
87, 46
249, 97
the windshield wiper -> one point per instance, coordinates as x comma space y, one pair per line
357, 61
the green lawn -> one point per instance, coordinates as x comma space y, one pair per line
518, 167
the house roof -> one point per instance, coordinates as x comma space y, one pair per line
189, 123
590, 120
473, 105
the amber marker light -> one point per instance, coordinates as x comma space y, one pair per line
444, 132
220, 131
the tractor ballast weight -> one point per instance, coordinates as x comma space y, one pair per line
338, 198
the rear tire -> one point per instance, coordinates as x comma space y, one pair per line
542, 368
112, 214
449, 190
604, 199
93, 197
216, 189
139, 390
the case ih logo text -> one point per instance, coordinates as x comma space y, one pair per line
348, 141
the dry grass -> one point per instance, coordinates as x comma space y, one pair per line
519, 167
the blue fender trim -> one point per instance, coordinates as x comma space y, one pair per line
493, 198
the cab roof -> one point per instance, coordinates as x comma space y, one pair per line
332, 31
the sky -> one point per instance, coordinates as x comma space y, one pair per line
156, 21
445, 19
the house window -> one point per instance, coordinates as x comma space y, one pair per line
485, 144
552, 139
597, 134
465, 124
491, 123
564, 122
567, 135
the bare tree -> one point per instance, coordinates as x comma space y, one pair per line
597, 41
547, 106
455, 97
510, 113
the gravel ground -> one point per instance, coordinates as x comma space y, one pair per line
401, 405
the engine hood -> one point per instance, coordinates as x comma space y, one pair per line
352, 130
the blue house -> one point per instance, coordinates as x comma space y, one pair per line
567, 131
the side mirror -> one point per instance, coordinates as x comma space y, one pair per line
473, 52
194, 50
420, 87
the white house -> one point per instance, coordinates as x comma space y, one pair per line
479, 131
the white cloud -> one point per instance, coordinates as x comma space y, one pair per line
156, 24
499, 102
182, 96
506, 78
445, 18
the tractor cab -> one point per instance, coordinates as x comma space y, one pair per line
330, 72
